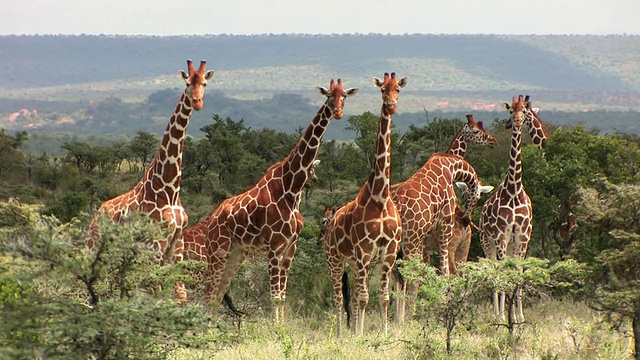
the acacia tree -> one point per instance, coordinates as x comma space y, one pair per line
143, 147
610, 214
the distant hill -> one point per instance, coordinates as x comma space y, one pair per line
58, 75
435, 62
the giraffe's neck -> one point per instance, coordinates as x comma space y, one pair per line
297, 165
536, 130
458, 145
514, 174
165, 170
378, 182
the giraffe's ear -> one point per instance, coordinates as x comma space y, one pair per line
377, 82
209, 75
485, 189
506, 106
322, 90
352, 91
184, 74
403, 82
535, 110
462, 186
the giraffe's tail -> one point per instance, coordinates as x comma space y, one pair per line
396, 272
346, 297
229, 304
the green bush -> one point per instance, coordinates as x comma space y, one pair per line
62, 300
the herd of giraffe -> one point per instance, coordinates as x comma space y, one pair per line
382, 223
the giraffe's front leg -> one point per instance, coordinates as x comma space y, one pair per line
388, 263
502, 243
172, 252
520, 251
280, 260
177, 256
336, 272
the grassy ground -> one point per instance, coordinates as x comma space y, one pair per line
554, 330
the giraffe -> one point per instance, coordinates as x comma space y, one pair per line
425, 200
266, 218
158, 192
195, 243
507, 216
473, 132
368, 227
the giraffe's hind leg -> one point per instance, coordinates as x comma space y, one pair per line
218, 256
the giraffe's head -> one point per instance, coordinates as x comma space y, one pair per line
537, 129
518, 111
196, 81
329, 212
482, 189
336, 95
390, 87
474, 132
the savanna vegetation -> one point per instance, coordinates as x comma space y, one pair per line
59, 300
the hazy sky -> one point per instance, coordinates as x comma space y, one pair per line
199, 17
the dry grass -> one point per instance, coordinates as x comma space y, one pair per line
554, 330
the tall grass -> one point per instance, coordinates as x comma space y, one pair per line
554, 330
